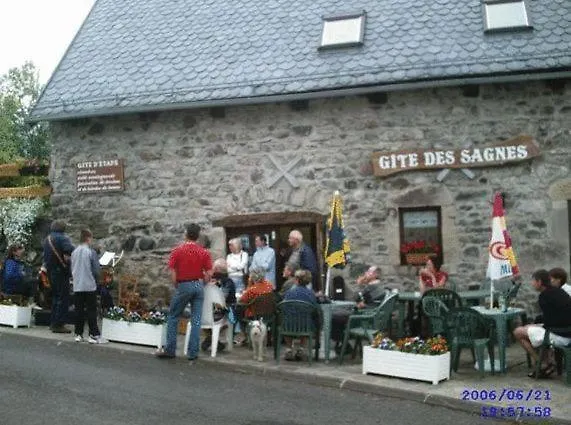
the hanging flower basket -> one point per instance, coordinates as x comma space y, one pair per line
9, 170
25, 168
25, 192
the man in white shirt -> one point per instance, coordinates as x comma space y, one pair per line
558, 278
265, 259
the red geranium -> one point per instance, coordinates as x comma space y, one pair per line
420, 247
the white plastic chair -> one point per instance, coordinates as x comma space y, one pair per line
212, 294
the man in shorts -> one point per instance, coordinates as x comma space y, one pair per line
555, 305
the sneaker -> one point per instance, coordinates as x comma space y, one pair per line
162, 354
289, 355
96, 340
78, 338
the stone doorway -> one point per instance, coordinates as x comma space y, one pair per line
276, 227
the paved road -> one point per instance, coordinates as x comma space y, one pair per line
48, 382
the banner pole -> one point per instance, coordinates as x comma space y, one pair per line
491, 293
327, 281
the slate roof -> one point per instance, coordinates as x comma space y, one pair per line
134, 55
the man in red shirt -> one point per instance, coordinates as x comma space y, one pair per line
190, 266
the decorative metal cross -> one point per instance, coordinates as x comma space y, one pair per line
468, 173
284, 172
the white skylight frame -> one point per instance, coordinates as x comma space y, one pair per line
506, 15
346, 30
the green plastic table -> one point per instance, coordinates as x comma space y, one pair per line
414, 297
501, 318
327, 310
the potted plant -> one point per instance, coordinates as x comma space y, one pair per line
418, 252
412, 358
13, 314
148, 328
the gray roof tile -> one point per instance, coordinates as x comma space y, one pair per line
130, 53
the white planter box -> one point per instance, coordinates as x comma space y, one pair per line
406, 365
134, 332
15, 316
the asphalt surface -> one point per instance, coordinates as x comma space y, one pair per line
65, 383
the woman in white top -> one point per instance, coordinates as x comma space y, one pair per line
237, 262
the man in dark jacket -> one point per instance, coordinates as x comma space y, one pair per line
304, 258
57, 251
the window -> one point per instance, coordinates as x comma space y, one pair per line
505, 15
420, 234
343, 31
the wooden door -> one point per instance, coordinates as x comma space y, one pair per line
277, 227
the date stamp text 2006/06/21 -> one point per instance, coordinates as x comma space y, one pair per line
507, 394
526, 402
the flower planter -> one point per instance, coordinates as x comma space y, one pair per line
418, 259
134, 332
406, 365
15, 316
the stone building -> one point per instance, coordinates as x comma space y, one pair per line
246, 118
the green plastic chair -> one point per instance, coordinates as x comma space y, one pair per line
298, 319
512, 293
510, 296
436, 312
263, 307
448, 297
562, 354
466, 328
366, 324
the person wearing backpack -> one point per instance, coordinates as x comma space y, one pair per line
15, 279
57, 252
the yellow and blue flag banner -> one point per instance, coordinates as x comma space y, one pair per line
337, 250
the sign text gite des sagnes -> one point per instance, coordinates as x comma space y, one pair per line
519, 149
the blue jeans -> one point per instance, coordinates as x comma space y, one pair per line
239, 284
60, 297
187, 292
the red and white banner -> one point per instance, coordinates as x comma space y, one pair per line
502, 262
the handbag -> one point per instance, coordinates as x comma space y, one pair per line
56, 253
231, 315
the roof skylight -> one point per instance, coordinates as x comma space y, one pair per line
343, 31
505, 15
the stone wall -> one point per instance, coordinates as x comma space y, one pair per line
201, 165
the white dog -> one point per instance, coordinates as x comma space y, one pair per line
258, 335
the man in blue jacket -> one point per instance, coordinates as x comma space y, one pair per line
57, 252
303, 256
